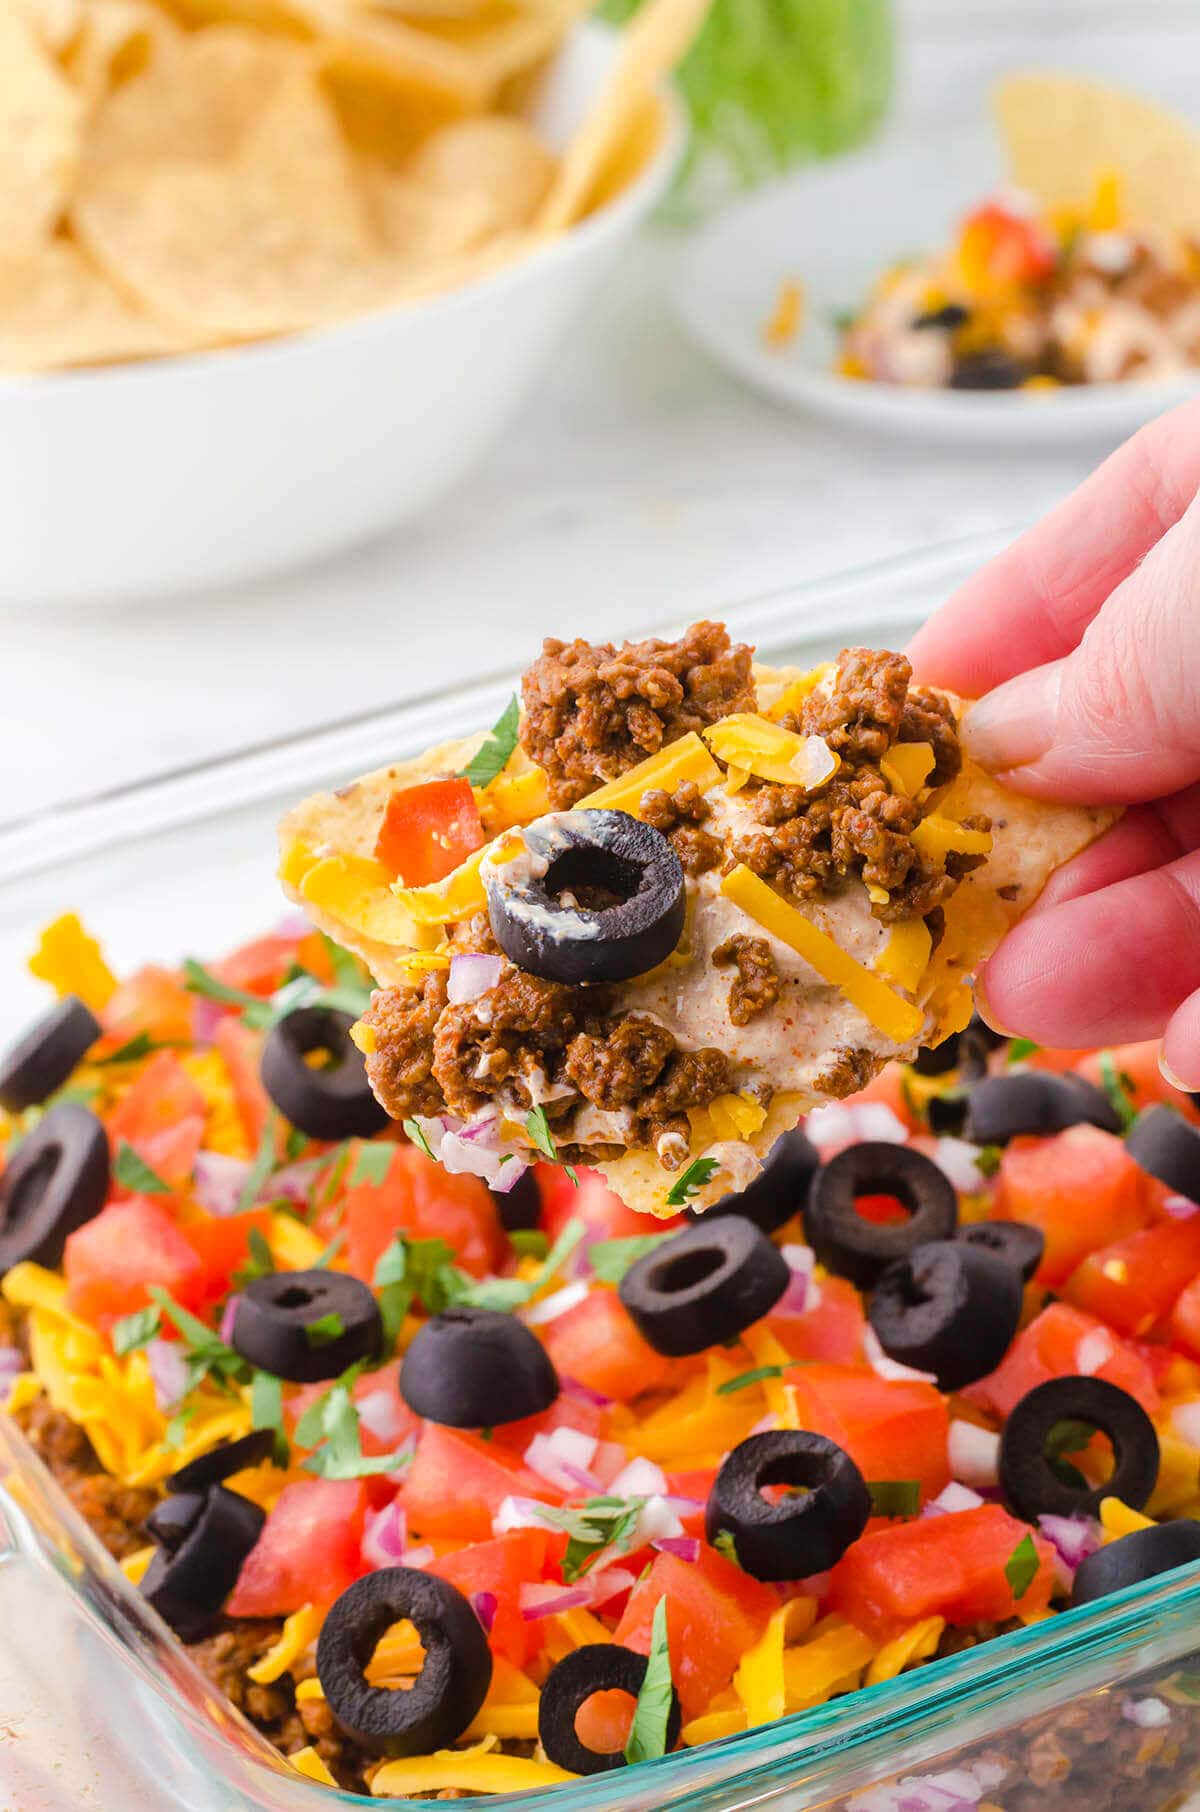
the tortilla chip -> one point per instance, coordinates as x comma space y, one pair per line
330, 869
116, 40
41, 125
57, 310
1062, 133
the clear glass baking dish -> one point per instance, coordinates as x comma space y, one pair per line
101, 1709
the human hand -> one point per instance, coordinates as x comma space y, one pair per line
1085, 638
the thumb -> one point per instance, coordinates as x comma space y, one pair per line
1118, 719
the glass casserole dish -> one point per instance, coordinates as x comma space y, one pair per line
100, 1706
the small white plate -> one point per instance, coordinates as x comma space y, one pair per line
835, 228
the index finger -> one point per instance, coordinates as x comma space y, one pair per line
1033, 602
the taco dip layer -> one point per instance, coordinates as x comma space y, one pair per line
667, 905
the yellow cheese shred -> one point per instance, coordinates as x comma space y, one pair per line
937, 837
355, 889
713, 1725
293, 1246
445, 902
907, 766
796, 691
905, 957
687, 759
887, 1011
307, 1762
768, 751
916, 1643
299, 1632
513, 799
729, 1116
1117, 1519
833, 1651
468, 1771
71, 960
135, 1566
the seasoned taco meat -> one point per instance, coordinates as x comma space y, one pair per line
593, 710
756, 983
681, 816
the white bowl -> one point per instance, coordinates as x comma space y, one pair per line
835, 227
140, 480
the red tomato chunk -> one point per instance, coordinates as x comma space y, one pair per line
939, 1566
310, 1549
428, 830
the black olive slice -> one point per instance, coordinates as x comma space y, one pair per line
806, 1530
277, 1324
1032, 1487
1016, 1243
1035, 1101
947, 1113
990, 369
57, 1181
1140, 1555
220, 1463
1168, 1146
454, 1677
521, 1209
594, 896
44, 1058
778, 1191
597, 1667
473, 1368
950, 315
188, 1584
854, 1247
704, 1285
938, 1059
333, 1101
172, 1518
949, 1308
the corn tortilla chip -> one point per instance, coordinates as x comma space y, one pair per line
41, 124
329, 869
116, 40
57, 310
1061, 133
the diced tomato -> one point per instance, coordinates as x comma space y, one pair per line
385, 1420
601, 1210
171, 1153
502, 1567
261, 967
696, 1483
417, 1197
832, 1331
458, 1482
892, 1429
1061, 1342
715, 1612
1137, 1281
1081, 1188
241, 1051
110, 1261
151, 1000
310, 1549
1185, 1319
998, 247
428, 830
1138, 1064
163, 1095
597, 1344
881, 1210
565, 1412
940, 1566
222, 1243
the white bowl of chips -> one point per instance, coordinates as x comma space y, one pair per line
274, 400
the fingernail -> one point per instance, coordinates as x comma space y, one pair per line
986, 1014
1168, 1075
1015, 724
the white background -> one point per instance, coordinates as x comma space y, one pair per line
641, 486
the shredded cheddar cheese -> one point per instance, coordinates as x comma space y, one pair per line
938, 837
70, 959
298, 1634
729, 1116
687, 759
786, 318
468, 1770
1117, 1519
907, 766
445, 902
770, 752
307, 1762
135, 1566
905, 957
514, 799
356, 889
293, 1246
916, 1643
887, 1011
796, 691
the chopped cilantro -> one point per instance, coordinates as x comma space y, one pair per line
757, 1375
339, 1454
207, 1354
414, 1132
263, 1165
987, 1163
895, 1497
511, 1292
135, 1330
724, 1543
690, 1180
493, 755
294, 1144
602, 1523
648, 1735
538, 1128
1119, 1088
611, 1258
1067, 1437
371, 1165
300, 990
325, 1329
328, 1253
260, 1262
337, 1170
529, 1242
1021, 1048
132, 1172
1021, 1567
134, 1049
177, 1427
347, 973
266, 1411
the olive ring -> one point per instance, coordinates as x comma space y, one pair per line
57, 1180
331, 1102
854, 1247
704, 1285
597, 1667
804, 1532
1032, 1487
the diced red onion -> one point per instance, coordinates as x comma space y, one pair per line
474, 1149
485, 1605
293, 924
640, 1478
846, 1123
766, 1424
955, 1790
382, 1412
218, 1181
520, 1513
974, 1453
609, 1462
470, 976
581, 1479
656, 1519
559, 1302
225, 1330
685, 1547
953, 1498
1147, 1714
1073, 1537
385, 1539
583, 1393
609, 1582
883, 1367
537, 1600
684, 1506
1094, 1350
206, 1017
418, 1557
1180, 1207
802, 1292
295, 1181
956, 1159
168, 1368
562, 1458
1185, 1420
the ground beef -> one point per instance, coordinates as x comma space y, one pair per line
756, 984
845, 1070
593, 711
680, 815
690, 1079
853, 825
515, 1036
860, 717
400, 1068
616, 1067
927, 717
114, 1512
